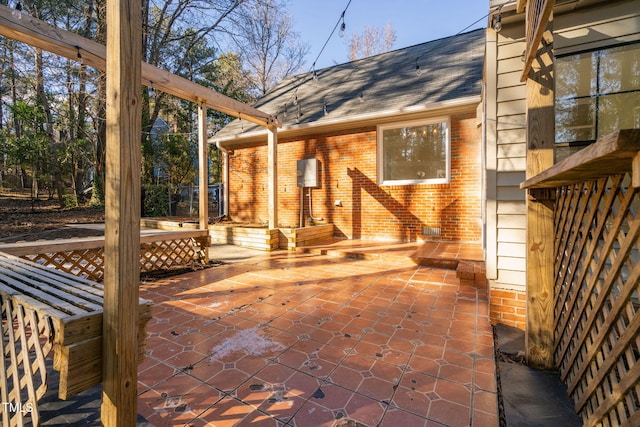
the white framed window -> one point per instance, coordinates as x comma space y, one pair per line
416, 152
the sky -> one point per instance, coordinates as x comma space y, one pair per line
415, 21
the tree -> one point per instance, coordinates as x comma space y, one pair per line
268, 46
30, 149
179, 37
372, 41
227, 77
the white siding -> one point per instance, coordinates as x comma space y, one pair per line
508, 140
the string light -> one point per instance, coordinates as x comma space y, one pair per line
497, 22
17, 10
340, 23
497, 8
80, 58
152, 90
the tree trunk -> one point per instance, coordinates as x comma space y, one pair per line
101, 127
46, 107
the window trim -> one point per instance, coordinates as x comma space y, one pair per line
380, 152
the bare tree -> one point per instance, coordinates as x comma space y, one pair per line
269, 47
372, 41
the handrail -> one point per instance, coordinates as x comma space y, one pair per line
611, 154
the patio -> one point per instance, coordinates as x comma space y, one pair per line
314, 339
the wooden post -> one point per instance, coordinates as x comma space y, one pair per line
540, 207
122, 215
272, 147
203, 178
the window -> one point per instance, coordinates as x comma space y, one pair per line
597, 93
414, 153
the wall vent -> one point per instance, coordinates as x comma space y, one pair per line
430, 231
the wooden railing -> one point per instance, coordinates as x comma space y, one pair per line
597, 276
85, 257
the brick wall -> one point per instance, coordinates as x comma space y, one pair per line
508, 307
349, 176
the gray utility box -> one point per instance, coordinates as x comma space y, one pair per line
307, 172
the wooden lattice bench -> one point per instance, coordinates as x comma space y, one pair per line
45, 309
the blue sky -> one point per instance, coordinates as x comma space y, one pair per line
415, 21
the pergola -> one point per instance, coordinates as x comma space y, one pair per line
121, 60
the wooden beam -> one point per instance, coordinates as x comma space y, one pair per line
521, 5
272, 185
122, 214
540, 210
72, 46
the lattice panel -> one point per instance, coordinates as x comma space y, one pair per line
166, 254
597, 306
26, 341
87, 263
538, 13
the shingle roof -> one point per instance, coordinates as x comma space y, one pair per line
451, 68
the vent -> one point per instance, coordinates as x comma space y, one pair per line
430, 231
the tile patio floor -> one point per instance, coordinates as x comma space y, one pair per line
305, 340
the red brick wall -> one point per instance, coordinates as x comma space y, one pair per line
349, 174
508, 307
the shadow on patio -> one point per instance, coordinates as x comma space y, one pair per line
312, 340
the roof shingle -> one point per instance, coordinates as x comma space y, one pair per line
451, 68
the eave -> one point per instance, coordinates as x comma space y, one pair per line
289, 131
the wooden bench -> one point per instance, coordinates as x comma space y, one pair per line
45, 309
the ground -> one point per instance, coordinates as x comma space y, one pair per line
22, 219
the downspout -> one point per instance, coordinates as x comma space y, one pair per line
225, 176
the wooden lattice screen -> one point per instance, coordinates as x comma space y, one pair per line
537, 19
597, 305
161, 254
26, 341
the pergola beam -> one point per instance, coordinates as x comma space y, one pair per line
72, 46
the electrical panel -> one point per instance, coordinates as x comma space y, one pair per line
307, 172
